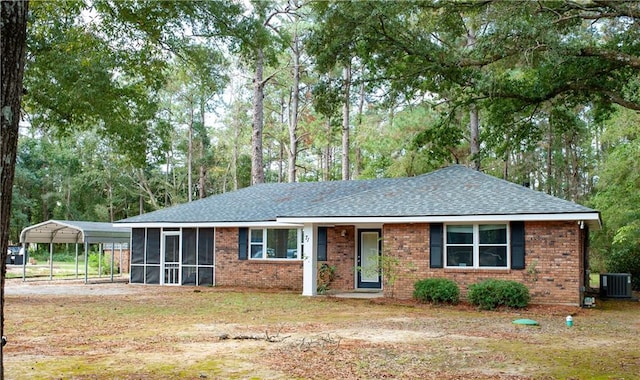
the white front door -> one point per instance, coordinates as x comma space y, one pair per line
171, 258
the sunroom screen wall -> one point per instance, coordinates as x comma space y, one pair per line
197, 263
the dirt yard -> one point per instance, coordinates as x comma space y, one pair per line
69, 330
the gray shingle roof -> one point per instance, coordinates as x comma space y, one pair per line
452, 191
263, 202
456, 190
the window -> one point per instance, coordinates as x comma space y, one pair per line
271, 243
477, 246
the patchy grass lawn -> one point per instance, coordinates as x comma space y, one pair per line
150, 332
61, 270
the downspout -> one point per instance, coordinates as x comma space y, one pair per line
584, 235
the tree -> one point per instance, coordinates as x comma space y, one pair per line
413, 48
510, 62
14, 35
259, 48
617, 245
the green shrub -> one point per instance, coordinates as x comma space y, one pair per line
43, 256
326, 275
491, 294
437, 290
94, 262
625, 259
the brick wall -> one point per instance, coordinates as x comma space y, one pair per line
554, 264
126, 258
282, 274
252, 273
341, 254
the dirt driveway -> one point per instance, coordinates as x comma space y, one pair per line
17, 287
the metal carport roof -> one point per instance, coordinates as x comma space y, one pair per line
65, 231
74, 232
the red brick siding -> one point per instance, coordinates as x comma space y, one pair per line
252, 273
341, 254
553, 249
126, 258
283, 274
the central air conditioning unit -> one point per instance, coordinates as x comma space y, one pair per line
615, 285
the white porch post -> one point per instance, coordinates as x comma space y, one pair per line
310, 263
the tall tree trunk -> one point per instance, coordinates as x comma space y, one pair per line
257, 168
14, 32
549, 159
236, 154
166, 179
358, 153
346, 76
112, 216
474, 124
281, 162
202, 172
326, 173
293, 115
505, 170
474, 127
67, 199
190, 154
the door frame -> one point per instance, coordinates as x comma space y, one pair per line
163, 262
366, 284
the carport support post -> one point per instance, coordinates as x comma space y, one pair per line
99, 260
50, 261
76, 261
113, 248
24, 262
310, 261
86, 262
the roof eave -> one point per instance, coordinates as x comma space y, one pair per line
591, 218
266, 223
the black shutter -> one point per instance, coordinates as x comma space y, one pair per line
517, 245
435, 245
243, 240
322, 244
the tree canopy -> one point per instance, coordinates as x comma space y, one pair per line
154, 103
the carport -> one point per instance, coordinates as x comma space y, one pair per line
74, 232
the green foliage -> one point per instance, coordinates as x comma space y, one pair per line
618, 199
326, 275
491, 294
390, 267
625, 259
42, 255
437, 290
105, 265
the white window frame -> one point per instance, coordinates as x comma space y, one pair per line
476, 246
251, 244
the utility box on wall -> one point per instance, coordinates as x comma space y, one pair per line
615, 285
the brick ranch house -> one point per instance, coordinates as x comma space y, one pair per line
454, 222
